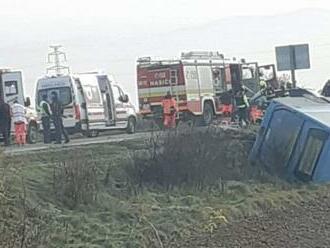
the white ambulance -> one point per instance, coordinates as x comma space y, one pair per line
92, 102
11, 89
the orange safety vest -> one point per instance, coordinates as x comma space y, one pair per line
168, 106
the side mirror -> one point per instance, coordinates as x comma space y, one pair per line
27, 102
124, 98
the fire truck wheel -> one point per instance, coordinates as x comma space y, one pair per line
207, 114
131, 125
32, 134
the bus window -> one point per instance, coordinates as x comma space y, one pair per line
311, 153
280, 139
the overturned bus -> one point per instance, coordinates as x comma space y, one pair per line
294, 139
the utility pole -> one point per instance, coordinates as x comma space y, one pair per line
293, 66
293, 78
56, 57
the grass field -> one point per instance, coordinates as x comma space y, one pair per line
85, 198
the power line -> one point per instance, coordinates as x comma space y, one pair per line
58, 57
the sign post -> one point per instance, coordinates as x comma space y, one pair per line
292, 58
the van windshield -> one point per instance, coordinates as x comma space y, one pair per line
64, 94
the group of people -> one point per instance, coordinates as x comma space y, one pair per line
237, 99
52, 112
16, 114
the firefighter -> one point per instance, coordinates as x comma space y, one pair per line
263, 84
46, 114
57, 114
242, 105
5, 121
169, 111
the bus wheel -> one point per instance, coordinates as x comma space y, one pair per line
131, 125
207, 114
32, 135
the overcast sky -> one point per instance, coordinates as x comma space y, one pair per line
111, 34
169, 11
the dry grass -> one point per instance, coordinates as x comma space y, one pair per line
96, 197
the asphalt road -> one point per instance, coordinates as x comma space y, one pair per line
110, 137
78, 141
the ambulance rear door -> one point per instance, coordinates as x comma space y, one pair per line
12, 87
94, 103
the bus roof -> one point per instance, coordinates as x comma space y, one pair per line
316, 108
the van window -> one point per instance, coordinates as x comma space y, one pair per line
116, 93
311, 153
11, 88
280, 139
64, 94
92, 94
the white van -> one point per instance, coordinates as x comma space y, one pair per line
92, 103
11, 89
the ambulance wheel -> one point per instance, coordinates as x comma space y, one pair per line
207, 114
32, 135
131, 125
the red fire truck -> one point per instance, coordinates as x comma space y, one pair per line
199, 81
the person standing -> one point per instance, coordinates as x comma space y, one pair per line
242, 105
45, 113
169, 111
57, 116
5, 121
19, 119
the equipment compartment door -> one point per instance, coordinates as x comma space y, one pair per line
250, 78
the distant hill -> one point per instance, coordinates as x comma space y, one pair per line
92, 44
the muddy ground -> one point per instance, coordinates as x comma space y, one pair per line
306, 225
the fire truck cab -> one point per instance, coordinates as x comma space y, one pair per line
200, 82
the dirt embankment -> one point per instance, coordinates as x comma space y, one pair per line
305, 225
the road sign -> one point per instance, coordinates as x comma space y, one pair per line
291, 58
302, 57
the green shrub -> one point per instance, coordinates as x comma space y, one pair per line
193, 158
